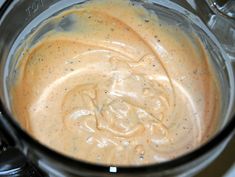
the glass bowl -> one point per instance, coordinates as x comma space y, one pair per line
19, 18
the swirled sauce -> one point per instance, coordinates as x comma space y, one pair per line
116, 87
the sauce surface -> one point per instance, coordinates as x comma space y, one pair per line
116, 86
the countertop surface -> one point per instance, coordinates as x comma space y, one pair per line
223, 166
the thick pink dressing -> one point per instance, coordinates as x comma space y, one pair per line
119, 88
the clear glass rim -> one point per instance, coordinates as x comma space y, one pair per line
164, 166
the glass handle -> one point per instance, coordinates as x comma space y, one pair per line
224, 7
219, 16
223, 24
220, 2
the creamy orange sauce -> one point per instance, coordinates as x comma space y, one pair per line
118, 87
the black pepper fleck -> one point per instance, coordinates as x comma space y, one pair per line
99, 21
146, 20
195, 71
